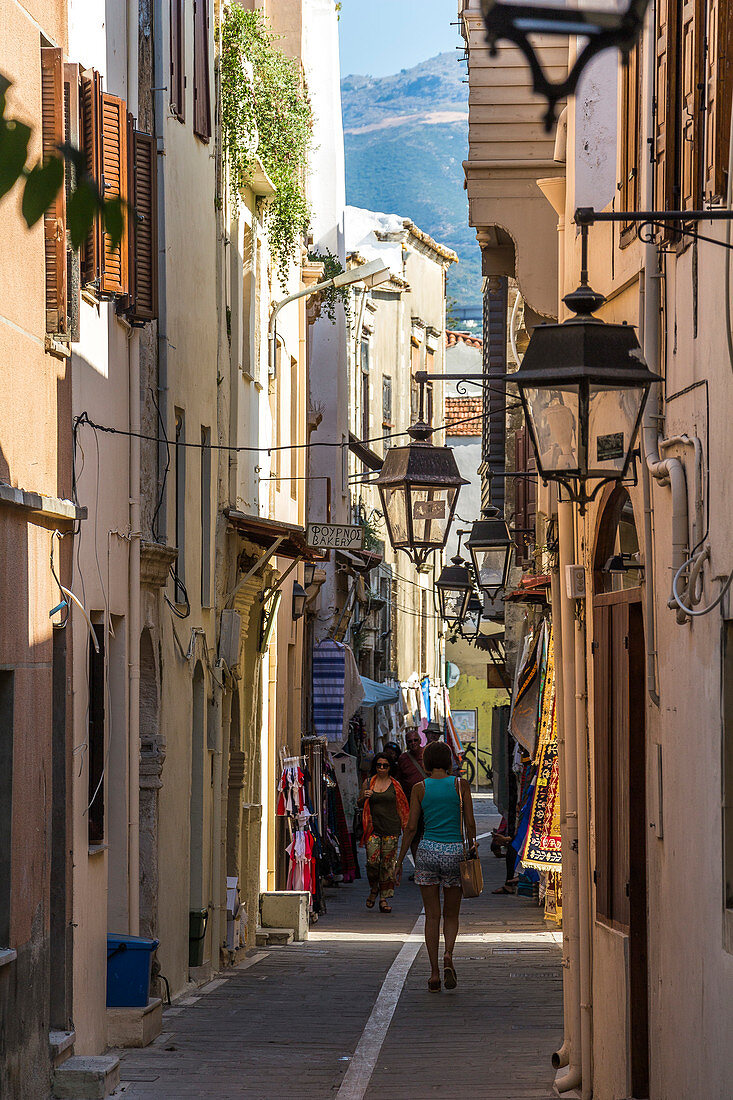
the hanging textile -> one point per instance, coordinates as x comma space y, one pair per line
337, 690
542, 847
302, 873
353, 689
451, 734
526, 699
291, 791
425, 690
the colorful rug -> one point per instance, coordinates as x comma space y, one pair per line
542, 848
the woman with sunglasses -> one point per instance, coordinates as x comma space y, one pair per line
385, 813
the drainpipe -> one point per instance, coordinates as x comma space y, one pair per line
160, 88
561, 1057
133, 638
216, 815
584, 877
571, 892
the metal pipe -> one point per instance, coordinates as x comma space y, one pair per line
133, 620
571, 910
217, 883
584, 879
160, 84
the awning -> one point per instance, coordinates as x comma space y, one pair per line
362, 560
532, 589
263, 532
378, 695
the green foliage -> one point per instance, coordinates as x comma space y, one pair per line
265, 109
331, 267
42, 181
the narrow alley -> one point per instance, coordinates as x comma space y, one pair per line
318, 1019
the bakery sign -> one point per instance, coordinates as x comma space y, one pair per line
335, 536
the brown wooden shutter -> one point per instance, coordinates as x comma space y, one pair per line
690, 104
178, 60
201, 89
113, 160
629, 181
601, 757
718, 97
143, 228
665, 98
91, 108
72, 85
54, 220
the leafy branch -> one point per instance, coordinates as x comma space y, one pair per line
265, 110
332, 295
41, 182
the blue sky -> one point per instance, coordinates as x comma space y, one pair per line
380, 37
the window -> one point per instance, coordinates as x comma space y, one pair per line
429, 369
96, 738
294, 422
178, 60
423, 632
201, 89
7, 724
387, 403
54, 219
72, 134
679, 105
414, 388
206, 517
180, 502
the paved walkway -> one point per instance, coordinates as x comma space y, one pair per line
319, 1019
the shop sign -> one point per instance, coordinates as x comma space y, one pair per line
335, 536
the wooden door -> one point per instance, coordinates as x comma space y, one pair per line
620, 798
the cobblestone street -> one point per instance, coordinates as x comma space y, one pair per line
300, 1021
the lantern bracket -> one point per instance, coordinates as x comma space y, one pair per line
657, 219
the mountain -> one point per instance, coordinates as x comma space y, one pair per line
406, 137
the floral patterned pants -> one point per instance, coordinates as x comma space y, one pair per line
381, 853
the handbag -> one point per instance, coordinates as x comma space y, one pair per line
472, 879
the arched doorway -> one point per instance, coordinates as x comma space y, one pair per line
619, 740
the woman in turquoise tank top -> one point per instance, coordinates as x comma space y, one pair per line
439, 854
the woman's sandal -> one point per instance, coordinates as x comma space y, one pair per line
370, 901
505, 890
434, 985
449, 975
385, 907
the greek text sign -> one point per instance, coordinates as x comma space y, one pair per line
335, 536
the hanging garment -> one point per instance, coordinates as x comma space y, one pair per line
353, 690
329, 665
291, 791
301, 875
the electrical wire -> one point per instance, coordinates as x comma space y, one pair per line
695, 611
83, 418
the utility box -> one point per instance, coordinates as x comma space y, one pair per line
286, 909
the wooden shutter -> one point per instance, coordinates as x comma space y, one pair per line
718, 97
629, 181
91, 108
72, 134
620, 764
178, 58
54, 220
665, 100
690, 104
201, 89
113, 160
143, 227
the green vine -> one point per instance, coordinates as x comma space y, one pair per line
332, 266
265, 110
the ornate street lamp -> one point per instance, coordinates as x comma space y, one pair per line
454, 587
490, 546
583, 384
472, 619
299, 600
601, 30
418, 485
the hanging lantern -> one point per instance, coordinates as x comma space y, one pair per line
472, 619
490, 546
418, 485
583, 384
454, 587
299, 600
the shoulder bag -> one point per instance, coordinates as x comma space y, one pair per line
472, 879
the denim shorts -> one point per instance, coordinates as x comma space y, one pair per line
436, 863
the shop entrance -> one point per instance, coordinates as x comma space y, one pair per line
620, 763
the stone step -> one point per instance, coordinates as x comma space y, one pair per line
61, 1044
86, 1078
279, 937
262, 937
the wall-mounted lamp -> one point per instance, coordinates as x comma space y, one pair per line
309, 573
299, 598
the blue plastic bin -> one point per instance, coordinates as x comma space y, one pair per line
129, 959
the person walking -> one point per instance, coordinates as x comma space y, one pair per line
384, 815
440, 851
412, 772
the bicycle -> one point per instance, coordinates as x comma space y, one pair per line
468, 766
